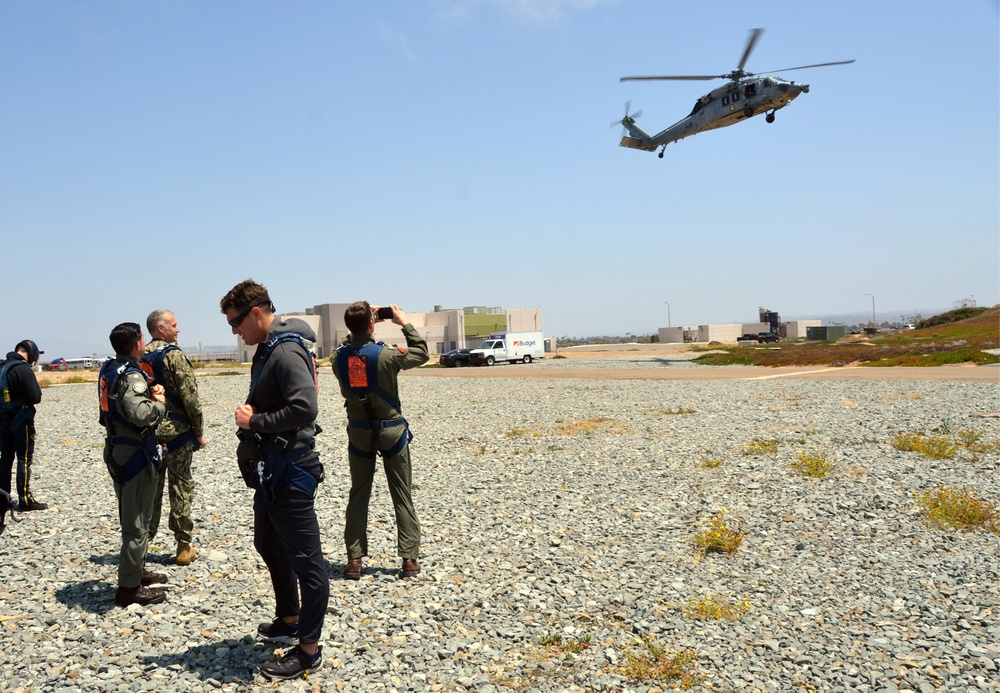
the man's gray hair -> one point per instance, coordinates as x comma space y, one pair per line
155, 318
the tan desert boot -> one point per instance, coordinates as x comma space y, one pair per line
185, 553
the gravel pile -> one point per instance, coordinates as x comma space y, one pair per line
558, 517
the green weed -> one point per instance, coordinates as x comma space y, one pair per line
718, 536
761, 447
935, 447
815, 466
714, 607
654, 662
958, 508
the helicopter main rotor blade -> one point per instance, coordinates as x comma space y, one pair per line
685, 77
751, 42
803, 67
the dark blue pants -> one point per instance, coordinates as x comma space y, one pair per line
17, 440
286, 535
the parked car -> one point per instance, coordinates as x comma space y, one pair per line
767, 337
455, 357
748, 338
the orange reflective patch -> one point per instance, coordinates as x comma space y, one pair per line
357, 371
103, 387
401, 350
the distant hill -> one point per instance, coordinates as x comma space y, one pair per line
864, 317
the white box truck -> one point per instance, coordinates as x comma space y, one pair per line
511, 347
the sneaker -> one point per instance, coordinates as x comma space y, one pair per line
139, 595
293, 664
150, 578
279, 632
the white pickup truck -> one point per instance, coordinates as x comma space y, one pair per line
511, 347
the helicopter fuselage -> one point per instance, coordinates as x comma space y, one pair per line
726, 105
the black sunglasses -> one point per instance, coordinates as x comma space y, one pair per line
238, 320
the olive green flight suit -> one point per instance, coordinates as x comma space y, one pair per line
135, 496
398, 471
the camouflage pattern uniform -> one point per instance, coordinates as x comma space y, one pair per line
179, 374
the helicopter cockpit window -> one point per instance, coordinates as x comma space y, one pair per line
751, 90
768, 82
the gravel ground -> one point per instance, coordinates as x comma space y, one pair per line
538, 531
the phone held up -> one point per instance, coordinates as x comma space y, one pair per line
384, 313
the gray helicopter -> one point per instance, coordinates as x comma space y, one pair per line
745, 95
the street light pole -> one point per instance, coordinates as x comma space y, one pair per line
874, 324
668, 313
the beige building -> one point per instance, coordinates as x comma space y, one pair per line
443, 329
792, 329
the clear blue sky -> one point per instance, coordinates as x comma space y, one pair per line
458, 152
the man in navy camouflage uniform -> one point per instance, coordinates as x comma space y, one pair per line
180, 433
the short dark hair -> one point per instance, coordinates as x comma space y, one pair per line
246, 294
358, 317
125, 336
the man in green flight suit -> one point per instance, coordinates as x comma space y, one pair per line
367, 372
181, 433
130, 411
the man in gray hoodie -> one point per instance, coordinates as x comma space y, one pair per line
277, 458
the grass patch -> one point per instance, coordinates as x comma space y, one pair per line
654, 662
714, 607
814, 466
515, 433
558, 645
958, 508
589, 427
710, 462
761, 447
718, 536
675, 411
958, 341
936, 447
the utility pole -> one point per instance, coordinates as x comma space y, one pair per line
874, 324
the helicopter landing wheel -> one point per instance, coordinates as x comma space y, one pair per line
769, 117
662, 149
660, 155
748, 112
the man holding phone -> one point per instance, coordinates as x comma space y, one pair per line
367, 371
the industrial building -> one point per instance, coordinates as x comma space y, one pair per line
444, 329
769, 321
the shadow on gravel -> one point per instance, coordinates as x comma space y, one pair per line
95, 596
221, 661
336, 571
106, 559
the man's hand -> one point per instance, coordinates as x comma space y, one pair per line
243, 414
159, 394
202, 442
398, 316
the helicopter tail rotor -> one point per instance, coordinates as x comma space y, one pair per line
629, 118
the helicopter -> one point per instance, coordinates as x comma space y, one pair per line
745, 95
